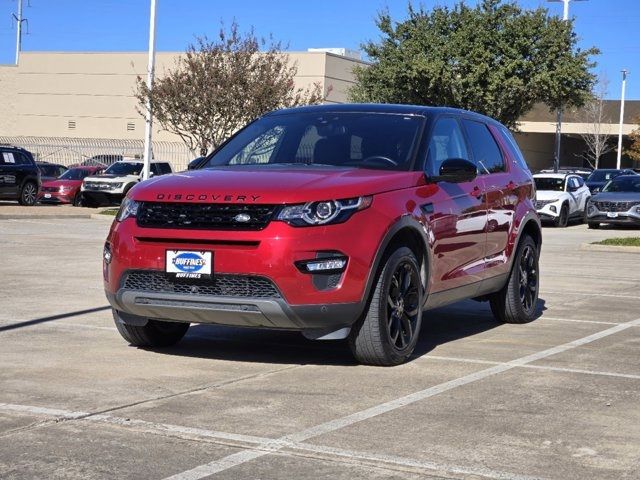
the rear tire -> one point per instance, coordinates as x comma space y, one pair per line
28, 194
389, 330
517, 301
153, 334
593, 225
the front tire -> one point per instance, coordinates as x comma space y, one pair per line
388, 333
563, 218
28, 194
517, 301
153, 334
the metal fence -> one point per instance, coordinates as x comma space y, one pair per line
69, 151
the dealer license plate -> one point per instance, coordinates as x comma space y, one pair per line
189, 264
47, 195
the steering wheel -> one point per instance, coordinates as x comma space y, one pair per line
374, 158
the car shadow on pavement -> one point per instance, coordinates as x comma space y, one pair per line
439, 326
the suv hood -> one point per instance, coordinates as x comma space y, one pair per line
111, 178
616, 197
61, 183
549, 195
272, 185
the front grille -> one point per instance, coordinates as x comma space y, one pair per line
541, 203
200, 216
615, 206
249, 286
49, 189
97, 185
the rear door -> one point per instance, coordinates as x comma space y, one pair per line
457, 217
500, 191
8, 173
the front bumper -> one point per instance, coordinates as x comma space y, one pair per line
547, 213
316, 320
52, 197
102, 197
303, 301
629, 217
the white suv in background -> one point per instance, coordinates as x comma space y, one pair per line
560, 197
112, 185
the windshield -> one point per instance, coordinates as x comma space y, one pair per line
624, 184
362, 140
124, 168
74, 174
549, 183
604, 175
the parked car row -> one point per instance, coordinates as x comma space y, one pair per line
89, 183
607, 196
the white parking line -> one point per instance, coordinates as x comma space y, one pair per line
612, 295
255, 447
534, 367
230, 461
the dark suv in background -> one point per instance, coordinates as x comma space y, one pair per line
19, 175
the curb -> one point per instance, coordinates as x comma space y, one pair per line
609, 248
100, 216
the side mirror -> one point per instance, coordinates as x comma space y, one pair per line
456, 170
195, 163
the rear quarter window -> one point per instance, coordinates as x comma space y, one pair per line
485, 150
513, 148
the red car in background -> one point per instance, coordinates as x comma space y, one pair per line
66, 188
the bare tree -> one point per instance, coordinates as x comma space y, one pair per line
634, 149
596, 137
216, 87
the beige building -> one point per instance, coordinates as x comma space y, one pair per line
68, 106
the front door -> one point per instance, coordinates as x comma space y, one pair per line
456, 214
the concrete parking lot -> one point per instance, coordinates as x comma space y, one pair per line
557, 398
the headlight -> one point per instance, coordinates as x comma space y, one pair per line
129, 208
323, 212
114, 186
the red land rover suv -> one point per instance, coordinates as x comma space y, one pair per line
338, 221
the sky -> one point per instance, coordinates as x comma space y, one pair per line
123, 25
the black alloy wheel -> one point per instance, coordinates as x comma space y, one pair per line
403, 305
528, 278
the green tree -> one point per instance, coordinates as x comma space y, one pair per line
218, 86
494, 58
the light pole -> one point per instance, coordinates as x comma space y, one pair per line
19, 21
150, 73
556, 160
624, 85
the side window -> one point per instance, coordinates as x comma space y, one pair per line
259, 150
485, 150
514, 149
164, 168
8, 158
446, 142
154, 169
20, 159
580, 181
